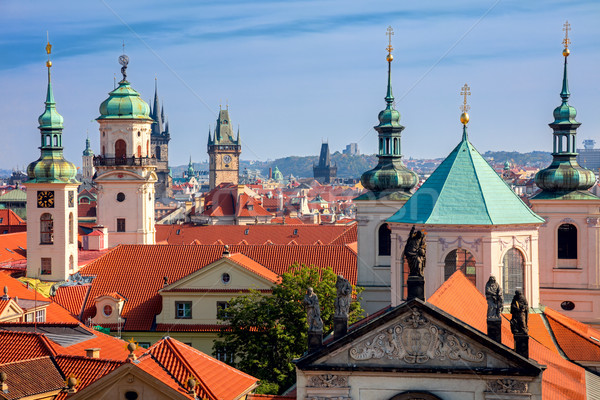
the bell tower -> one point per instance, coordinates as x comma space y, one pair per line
388, 185
223, 152
125, 168
51, 201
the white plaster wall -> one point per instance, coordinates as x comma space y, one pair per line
383, 386
137, 208
573, 280
61, 250
488, 244
113, 130
374, 271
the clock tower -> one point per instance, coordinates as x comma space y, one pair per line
126, 174
223, 152
51, 201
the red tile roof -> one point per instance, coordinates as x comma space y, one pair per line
137, 271
561, 380
287, 221
13, 247
254, 267
573, 337
54, 312
17, 346
86, 370
256, 234
31, 377
247, 206
72, 298
216, 380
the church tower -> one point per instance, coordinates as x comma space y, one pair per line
125, 169
389, 185
51, 201
570, 262
223, 152
87, 160
159, 142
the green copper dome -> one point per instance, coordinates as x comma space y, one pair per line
124, 103
277, 175
565, 178
51, 167
50, 119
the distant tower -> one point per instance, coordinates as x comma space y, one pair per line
570, 238
87, 169
125, 169
388, 185
160, 148
51, 201
223, 152
190, 173
324, 172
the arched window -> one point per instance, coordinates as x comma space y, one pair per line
103, 151
380, 146
139, 152
48, 140
120, 149
157, 152
55, 140
567, 241
147, 148
71, 262
46, 229
385, 240
71, 228
513, 273
460, 260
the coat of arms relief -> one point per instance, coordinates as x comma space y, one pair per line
415, 340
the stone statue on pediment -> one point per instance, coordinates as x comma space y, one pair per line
495, 300
519, 308
313, 311
415, 252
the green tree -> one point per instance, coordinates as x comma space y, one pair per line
267, 331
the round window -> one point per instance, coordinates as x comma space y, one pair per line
225, 278
120, 197
567, 305
107, 310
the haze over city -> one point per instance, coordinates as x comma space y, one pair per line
298, 72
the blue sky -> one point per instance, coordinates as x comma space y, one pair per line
295, 73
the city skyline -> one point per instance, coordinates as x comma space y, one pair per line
297, 73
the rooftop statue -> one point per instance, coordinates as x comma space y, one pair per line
519, 308
344, 293
313, 311
495, 300
414, 251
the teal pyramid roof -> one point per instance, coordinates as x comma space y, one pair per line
465, 190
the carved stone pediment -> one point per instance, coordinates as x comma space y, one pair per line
414, 339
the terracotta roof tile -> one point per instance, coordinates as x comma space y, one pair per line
575, 340
188, 327
216, 380
72, 298
17, 346
147, 265
256, 234
254, 267
13, 247
54, 312
86, 370
460, 298
31, 377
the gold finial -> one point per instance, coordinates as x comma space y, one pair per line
566, 41
48, 50
464, 117
389, 48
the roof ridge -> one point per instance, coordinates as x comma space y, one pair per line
575, 331
471, 148
192, 371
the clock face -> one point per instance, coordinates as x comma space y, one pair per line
227, 159
45, 199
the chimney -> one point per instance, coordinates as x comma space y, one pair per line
270, 173
165, 281
93, 352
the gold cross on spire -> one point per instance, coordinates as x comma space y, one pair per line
465, 91
390, 33
566, 28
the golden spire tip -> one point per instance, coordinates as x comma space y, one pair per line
389, 48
